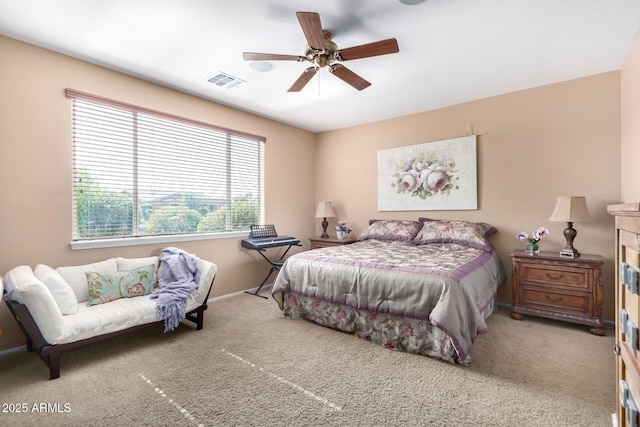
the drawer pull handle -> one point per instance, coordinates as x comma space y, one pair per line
551, 276
553, 300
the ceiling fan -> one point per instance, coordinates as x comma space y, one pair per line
322, 52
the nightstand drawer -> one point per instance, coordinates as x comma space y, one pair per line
561, 302
566, 277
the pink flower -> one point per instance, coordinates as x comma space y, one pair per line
342, 226
135, 290
436, 180
535, 237
409, 182
406, 330
540, 233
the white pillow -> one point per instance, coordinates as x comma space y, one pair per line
76, 278
60, 290
37, 297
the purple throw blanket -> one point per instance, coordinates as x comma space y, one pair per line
178, 276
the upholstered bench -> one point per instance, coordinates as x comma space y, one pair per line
58, 310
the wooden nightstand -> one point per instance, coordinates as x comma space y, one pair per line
548, 285
319, 242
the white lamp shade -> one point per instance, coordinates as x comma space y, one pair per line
325, 210
571, 209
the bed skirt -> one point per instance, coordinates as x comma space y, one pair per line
393, 332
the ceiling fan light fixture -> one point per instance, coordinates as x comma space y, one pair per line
322, 52
411, 2
261, 66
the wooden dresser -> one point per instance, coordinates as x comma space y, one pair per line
556, 287
627, 312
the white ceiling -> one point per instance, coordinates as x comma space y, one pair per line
451, 51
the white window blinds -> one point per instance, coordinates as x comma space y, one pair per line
138, 172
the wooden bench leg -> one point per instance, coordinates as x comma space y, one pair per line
54, 365
197, 317
200, 320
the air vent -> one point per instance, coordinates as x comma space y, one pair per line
225, 80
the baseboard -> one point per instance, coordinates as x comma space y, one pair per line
252, 290
13, 350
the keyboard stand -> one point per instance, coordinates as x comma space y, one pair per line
276, 265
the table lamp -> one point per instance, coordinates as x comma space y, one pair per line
570, 209
325, 210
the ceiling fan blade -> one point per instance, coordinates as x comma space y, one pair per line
382, 47
312, 29
253, 56
349, 76
303, 80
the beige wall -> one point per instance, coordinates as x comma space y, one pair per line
35, 177
554, 140
630, 151
561, 139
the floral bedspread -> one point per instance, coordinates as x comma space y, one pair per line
449, 285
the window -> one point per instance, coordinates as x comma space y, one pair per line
137, 173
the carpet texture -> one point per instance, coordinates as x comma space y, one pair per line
249, 366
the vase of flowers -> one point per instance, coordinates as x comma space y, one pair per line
342, 229
532, 242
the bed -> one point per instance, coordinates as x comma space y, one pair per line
424, 287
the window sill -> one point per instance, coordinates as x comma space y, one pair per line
150, 240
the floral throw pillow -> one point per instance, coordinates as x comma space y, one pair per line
391, 230
472, 234
106, 286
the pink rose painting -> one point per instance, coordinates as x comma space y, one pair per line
439, 175
425, 175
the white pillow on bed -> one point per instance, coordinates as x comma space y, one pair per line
472, 234
391, 229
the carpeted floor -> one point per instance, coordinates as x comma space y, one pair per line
249, 366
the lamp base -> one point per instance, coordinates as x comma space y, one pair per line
324, 234
570, 253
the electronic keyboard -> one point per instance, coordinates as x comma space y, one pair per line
259, 243
266, 236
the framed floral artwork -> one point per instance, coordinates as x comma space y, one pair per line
440, 175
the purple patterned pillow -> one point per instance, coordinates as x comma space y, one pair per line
389, 229
472, 234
